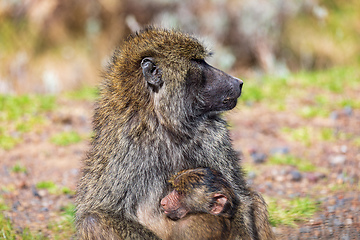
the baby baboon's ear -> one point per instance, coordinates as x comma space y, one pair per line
151, 73
220, 201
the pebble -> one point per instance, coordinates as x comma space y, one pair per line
333, 115
279, 178
16, 205
337, 159
42, 192
268, 185
348, 221
343, 148
279, 150
44, 209
295, 175
294, 195
251, 175
258, 157
331, 209
348, 110
35, 192
304, 230
345, 237
311, 177
338, 223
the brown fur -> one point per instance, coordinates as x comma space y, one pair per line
209, 203
153, 119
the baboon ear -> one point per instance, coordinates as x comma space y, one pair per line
220, 201
151, 73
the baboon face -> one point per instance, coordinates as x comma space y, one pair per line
200, 190
207, 89
210, 89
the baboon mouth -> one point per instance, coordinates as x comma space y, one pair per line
229, 100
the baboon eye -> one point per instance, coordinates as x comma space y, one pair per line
200, 61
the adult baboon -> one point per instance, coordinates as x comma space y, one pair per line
158, 113
202, 203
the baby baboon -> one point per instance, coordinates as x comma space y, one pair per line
158, 113
202, 203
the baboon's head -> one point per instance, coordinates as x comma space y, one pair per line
200, 190
164, 73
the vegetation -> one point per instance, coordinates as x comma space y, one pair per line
65, 228
85, 93
66, 138
18, 168
289, 212
53, 188
20, 114
286, 159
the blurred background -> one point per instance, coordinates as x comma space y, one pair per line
296, 125
49, 46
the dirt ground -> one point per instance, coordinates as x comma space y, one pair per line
256, 133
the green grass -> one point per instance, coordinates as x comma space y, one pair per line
309, 135
53, 188
7, 230
313, 111
289, 212
285, 159
305, 135
48, 185
7, 142
14, 107
18, 168
66, 138
64, 228
348, 102
85, 93
19, 114
356, 141
310, 94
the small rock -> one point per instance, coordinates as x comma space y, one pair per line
294, 195
348, 221
42, 192
295, 176
279, 178
337, 159
268, 185
304, 230
279, 150
345, 237
44, 209
251, 175
333, 115
311, 177
343, 148
35, 192
258, 157
338, 223
16, 205
348, 110
331, 209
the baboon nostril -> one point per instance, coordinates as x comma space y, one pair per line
241, 82
226, 100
